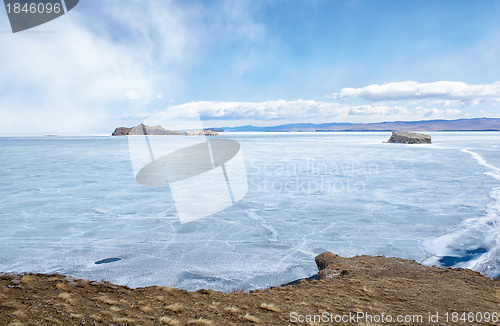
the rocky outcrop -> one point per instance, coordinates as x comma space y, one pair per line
142, 129
331, 266
121, 131
407, 137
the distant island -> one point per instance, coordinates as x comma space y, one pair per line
478, 124
142, 129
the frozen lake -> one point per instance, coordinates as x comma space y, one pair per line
69, 202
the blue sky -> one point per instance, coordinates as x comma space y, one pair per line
109, 63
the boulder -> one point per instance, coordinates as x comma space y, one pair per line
407, 137
331, 266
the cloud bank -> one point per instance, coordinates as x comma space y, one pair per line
459, 92
216, 113
268, 110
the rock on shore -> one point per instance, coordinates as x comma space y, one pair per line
142, 129
333, 267
409, 138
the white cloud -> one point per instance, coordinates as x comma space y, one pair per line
269, 110
432, 112
398, 110
132, 95
377, 110
452, 92
281, 111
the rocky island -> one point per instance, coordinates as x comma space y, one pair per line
366, 287
407, 137
142, 129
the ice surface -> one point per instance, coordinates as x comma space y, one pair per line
475, 242
66, 203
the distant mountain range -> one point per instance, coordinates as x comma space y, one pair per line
479, 124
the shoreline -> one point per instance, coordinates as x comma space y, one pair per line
107, 135
362, 284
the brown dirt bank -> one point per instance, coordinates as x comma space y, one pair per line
371, 285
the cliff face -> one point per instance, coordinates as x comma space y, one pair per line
121, 131
142, 129
407, 137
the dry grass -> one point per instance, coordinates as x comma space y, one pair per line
124, 320
106, 299
95, 317
146, 309
175, 307
64, 295
200, 322
62, 286
270, 307
108, 313
169, 321
239, 290
232, 309
28, 279
16, 323
168, 289
20, 314
54, 278
251, 318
